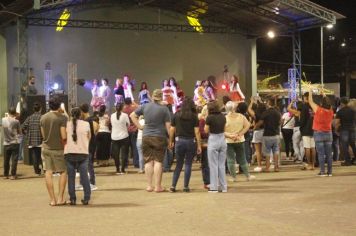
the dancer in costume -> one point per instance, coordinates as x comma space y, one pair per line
209, 91
105, 92
167, 93
144, 95
96, 100
119, 92
236, 93
174, 87
128, 88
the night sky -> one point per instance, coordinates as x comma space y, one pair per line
275, 56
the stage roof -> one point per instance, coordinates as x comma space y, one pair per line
250, 17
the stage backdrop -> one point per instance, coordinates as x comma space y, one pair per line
146, 56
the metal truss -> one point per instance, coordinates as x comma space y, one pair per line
72, 85
131, 26
297, 58
311, 9
47, 80
22, 68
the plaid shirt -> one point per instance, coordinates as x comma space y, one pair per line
32, 129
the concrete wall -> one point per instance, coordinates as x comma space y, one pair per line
147, 56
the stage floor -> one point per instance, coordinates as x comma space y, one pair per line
291, 202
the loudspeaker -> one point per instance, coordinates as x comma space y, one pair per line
63, 98
27, 108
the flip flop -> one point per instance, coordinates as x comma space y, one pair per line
63, 203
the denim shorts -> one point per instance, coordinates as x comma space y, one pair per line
270, 144
257, 136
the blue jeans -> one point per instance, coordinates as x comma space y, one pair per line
141, 162
133, 141
248, 149
347, 138
78, 162
205, 166
217, 157
168, 160
91, 168
11, 152
323, 144
335, 147
185, 152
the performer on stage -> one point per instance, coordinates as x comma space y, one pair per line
236, 93
96, 101
105, 92
200, 99
119, 92
209, 91
173, 85
167, 93
128, 88
144, 95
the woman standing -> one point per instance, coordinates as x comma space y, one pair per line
119, 92
141, 161
128, 88
174, 87
323, 118
287, 132
215, 126
168, 96
256, 109
297, 137
103, 138
96, 100
209, 91
144, 95
185, 130
104, 93
236, 93
120, 138
236, 126
204, 144
76, 154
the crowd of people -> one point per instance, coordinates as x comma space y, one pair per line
167, 125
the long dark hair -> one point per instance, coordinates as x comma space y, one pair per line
102, 110
119, 107
187, 109
75, 113
143, 84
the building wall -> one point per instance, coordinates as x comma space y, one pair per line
147, 56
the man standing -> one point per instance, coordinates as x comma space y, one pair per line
32, 129
154, 138
53, 129
345, 123
306, 130
11, 130
271, 120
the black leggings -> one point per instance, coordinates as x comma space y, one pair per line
117, 153
288, 141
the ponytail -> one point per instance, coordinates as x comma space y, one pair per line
119, 107
75, 117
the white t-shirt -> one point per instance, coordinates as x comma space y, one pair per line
119, 127
287, 118
82, 144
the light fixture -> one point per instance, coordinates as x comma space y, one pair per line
343, 44
62, 21
55, 86
195, 23
330, 26
271, 34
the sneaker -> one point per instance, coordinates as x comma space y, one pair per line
257, 169
93, 187
186, 190
321, 174
330, 175
251, 177
141, 172
232, 179
79, 187
237, 167
172, 189
206, 186
77, 175
224, 191
212, 191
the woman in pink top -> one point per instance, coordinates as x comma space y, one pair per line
323, 118
76, 153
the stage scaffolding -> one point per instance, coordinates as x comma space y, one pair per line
72, 85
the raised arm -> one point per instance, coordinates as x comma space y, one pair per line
250, 110
311, 101
292, 110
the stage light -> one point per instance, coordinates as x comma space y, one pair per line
55, 86
195, 23
330, 26
271, 34
223, 86
62, 21
343, 44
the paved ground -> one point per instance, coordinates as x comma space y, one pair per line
291, 202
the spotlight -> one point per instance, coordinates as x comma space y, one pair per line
271, 34
55, 86
330, 26
80, 82
343, 44
223, 86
